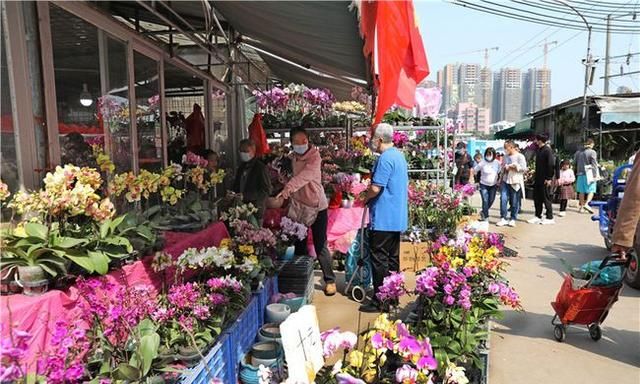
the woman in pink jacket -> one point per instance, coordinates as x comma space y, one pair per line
308, 202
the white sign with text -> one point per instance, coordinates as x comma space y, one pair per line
302, 345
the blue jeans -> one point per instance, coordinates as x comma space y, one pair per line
509, 196
488, 194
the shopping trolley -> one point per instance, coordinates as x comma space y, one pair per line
580, 302
357, 265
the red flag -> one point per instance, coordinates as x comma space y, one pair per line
258, 135
401, 59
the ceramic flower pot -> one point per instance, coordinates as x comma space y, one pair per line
270, 332
248, 373
265, 353
287, 254
277, 313
33, 280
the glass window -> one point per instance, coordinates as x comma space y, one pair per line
148, 113
183, 92
8, 133
91, 91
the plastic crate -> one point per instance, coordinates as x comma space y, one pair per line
243, 332
220, 364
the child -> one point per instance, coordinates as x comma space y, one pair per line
565, 183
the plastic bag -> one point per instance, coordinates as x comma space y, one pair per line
608, 276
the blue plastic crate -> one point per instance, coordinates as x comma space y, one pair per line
221, 364
244, 330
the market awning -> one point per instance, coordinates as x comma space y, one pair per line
521, 130
617, 110
318, 35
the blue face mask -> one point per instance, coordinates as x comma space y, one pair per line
301, 149
244, 156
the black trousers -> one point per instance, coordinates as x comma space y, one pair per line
384, 248
542, 196
563, 205
319, 231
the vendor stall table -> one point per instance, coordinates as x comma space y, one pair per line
37, 315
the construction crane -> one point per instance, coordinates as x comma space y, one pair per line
486, 54
546, 50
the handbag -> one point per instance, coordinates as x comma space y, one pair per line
592, 173
302, 213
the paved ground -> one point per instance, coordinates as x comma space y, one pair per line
522, 346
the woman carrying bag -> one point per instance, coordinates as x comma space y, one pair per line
308, 203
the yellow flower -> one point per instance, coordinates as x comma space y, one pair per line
382, 322
356, 358
225, 243
246, 249
253, 259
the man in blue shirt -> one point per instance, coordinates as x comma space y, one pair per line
387, 199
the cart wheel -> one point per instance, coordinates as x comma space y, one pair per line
595, 332
560, 333
358, 294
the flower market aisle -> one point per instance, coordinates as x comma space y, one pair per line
523, 349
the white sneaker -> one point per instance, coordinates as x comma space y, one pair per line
534, 220
502, 223
548, 222
588, 209
512, 223
562, 214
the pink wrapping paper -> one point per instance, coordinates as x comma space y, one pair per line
38, 315
342, 226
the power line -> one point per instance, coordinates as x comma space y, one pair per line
553, 49
546, 20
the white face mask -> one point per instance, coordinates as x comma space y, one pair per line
301, 149
489, 158
244, 156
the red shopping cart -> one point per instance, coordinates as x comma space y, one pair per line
580, 302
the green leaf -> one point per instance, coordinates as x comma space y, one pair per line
115, 223
148, 350
36, 230
100, 262
52, 272
126, 372
81, 259
120, 241
104, 228
68, 242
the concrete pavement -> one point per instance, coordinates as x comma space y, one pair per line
523, 349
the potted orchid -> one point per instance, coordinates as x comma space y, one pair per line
288, 233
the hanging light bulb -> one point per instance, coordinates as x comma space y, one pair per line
85, 96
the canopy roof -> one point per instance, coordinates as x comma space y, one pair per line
521, 130
319, 41
617, 110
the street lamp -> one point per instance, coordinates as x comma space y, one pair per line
588, 66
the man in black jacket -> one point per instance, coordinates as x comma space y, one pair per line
543, 181
252, 179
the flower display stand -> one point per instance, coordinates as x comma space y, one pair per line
221, 362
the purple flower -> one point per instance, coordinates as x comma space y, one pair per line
345, 378
218, 299
427, 363
449, 300
392, 287
409, 345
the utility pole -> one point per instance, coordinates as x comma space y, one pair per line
606, 57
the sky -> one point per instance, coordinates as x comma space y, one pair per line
450, 31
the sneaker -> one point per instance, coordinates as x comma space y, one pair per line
534, 220
502, 223
580, 208
562, 214
588, 209
330, 289
512, 223
548, 222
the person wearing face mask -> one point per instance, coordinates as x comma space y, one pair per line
489, 168
252, 178
387, 199
463, 164
308, 203
511, 184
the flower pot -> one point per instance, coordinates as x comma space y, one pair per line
33, 280
347, 203
189, 356
265, 353
287, 254
277, 313
248, 373
8, 282
270, 332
